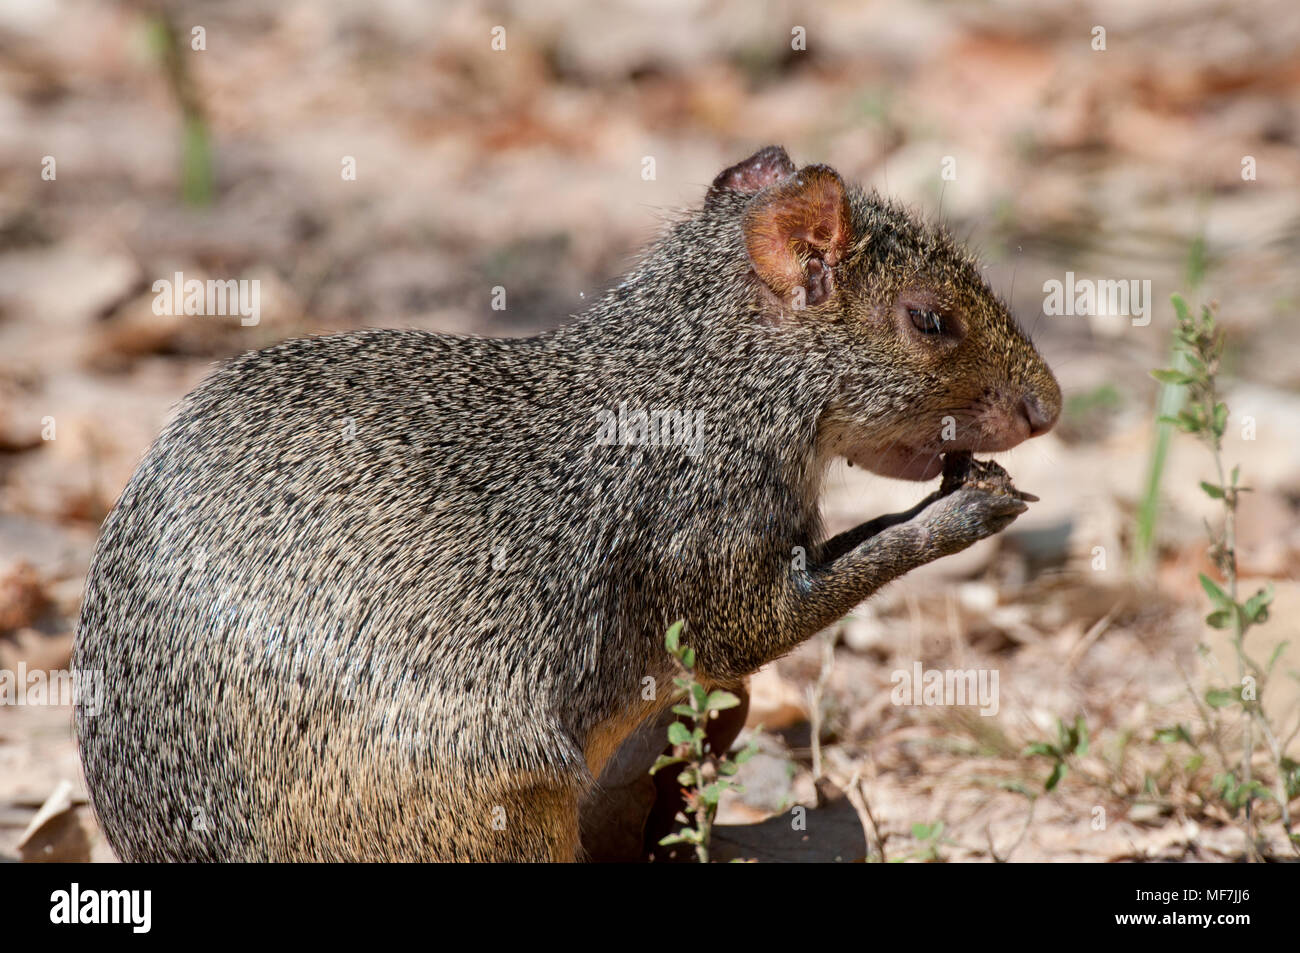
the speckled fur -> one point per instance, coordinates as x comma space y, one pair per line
382, 647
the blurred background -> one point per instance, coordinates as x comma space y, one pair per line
390, 162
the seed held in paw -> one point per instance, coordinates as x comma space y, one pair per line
961, 469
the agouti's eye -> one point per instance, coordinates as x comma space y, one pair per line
926, 321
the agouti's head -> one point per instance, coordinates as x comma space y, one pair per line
922, 357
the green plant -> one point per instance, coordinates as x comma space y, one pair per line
1071, 741
1170, 399
1200, 345
196, 145
1086, 413
931, 839
707, 774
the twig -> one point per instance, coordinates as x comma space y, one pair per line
988, 832
1093, 634
815, 695
858, 798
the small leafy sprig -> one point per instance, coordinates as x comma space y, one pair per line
1205, 417
1071, 741
929, 839
706, 775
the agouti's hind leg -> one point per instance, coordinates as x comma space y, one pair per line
534, 824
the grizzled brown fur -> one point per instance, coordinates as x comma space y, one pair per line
386, 595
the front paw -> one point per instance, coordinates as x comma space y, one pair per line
967, 515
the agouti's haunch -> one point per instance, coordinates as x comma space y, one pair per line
393, 595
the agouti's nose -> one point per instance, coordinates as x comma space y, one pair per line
1040, 420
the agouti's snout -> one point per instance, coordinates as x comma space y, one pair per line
1040, 414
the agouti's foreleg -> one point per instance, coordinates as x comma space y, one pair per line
852, 570
849, 540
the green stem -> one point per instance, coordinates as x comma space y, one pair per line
1170, 401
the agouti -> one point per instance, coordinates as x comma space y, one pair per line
395, 595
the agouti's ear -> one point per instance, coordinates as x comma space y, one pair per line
763, 168
796, 232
